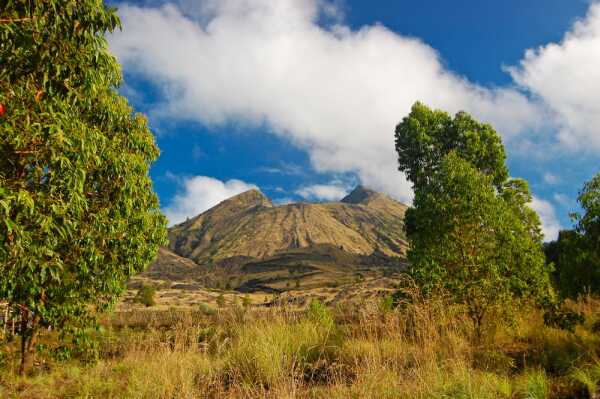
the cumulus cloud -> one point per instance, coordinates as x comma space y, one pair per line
323, 192
550, 223
199, 193
332, 90
565, 76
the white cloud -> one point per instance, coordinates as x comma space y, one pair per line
550, 223
551, 178
200, 193
566, 77
323, 192
334, 91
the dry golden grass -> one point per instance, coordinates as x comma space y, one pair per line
360, 350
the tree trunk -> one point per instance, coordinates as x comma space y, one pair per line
27, 332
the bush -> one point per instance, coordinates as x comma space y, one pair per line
145, 295
206, 309
387, 304
563, 318
246, 301
220, 300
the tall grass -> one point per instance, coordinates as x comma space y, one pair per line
422, 349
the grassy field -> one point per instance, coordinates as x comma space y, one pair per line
360, 349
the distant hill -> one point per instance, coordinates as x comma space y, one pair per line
249, 244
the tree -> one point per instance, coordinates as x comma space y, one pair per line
576, 253
588, 223
469, 240
425, 136
78, 215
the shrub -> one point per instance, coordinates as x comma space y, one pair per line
206, 309
246, 302
386, 304
220, 300
563, 318
145, 295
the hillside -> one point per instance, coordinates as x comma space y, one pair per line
250, 225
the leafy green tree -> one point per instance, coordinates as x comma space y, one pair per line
588, 223
469, 240
425, 136
576, 253
78, 215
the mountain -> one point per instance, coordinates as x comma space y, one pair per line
250, 225
248, 244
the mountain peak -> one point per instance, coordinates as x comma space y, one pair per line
360, 195
250, 198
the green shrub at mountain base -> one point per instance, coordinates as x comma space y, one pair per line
145, 295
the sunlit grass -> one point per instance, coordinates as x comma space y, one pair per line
423, 350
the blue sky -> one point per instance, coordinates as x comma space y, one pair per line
300, 98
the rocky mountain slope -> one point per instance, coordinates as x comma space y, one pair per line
250, 225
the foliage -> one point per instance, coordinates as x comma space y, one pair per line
425, 136
78, 215
575, 270
576, 253
589, 223
206, 309
220, 300
145, 295
473, 242
563, 318
471, 231
246, 301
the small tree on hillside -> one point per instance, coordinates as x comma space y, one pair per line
78, 215
469, 240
